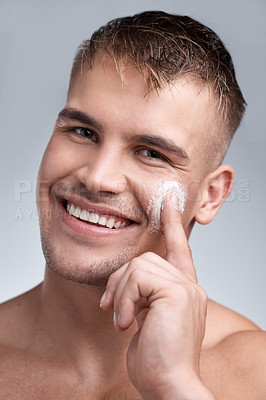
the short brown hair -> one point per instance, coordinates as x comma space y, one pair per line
166, 46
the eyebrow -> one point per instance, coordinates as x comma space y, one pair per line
165, 144
76, 115
157, 141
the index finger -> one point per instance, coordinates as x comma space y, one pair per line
178, 252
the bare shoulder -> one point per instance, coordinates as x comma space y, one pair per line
16, 318
239, 361
223, 322
234, 351
13, 320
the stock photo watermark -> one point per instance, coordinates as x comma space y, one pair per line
25, 190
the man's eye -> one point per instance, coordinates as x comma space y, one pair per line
87, 133
150, 153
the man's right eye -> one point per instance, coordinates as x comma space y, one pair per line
87, 133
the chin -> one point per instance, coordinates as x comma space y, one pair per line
83, 268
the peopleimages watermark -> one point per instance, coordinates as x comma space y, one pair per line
25, 190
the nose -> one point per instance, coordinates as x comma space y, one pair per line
103, 172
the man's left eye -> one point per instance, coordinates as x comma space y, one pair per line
150, 153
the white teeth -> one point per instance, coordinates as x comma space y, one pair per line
93, 217
117, 224
84, 215
76, 212
102, 221
72, 209
110, 223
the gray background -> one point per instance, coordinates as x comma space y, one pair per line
38, 40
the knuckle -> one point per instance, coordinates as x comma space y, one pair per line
199, 295
203, 294
149, 255
135, 264
135, 275
188, 291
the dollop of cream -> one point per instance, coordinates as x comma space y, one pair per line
155, 205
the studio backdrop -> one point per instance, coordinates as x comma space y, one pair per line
38, 40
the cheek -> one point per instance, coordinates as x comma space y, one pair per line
59, 160
141, 190
152, 196
194, 196
157, 202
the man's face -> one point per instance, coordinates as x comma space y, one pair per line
112, 145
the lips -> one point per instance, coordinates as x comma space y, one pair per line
103, 220
93, 216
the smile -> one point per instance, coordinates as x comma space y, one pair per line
106, 221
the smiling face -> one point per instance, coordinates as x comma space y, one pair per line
112, 146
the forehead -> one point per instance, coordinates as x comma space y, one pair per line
183, 111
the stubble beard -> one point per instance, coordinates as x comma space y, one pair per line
94, 273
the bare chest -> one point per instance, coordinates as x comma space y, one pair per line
42, 392
29, 380
25, 389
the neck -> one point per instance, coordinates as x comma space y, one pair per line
71, 317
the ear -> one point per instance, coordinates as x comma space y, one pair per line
216, 187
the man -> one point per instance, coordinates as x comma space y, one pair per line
152, 99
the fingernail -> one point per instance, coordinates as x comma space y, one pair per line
116, 318
173, 200
103, 298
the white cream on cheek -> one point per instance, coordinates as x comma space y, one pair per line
156, 203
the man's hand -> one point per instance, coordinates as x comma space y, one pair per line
170, 309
